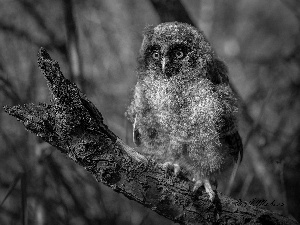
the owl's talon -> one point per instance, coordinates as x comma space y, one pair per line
175, 167
197, 185
166, 165
207, 187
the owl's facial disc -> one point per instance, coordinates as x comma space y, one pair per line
169, 59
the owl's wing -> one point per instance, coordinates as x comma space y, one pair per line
235, 145
231, 138
217, 72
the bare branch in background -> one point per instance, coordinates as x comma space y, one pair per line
8, 89
29, 37
171, 10
30, 7
294, 6
74, 56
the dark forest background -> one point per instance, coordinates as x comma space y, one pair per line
96, 43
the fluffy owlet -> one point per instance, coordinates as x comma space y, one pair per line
184, 111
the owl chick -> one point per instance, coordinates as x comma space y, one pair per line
183, 110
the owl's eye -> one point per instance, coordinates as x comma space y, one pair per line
178, 51
155, 55
179, 54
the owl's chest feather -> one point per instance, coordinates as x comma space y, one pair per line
182, 106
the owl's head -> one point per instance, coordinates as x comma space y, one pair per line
172, 50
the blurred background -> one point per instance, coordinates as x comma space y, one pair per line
96, 43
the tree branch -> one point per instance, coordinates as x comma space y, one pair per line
73, 124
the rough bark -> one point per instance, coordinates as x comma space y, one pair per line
73, 125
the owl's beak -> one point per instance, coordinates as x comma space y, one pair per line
163, 64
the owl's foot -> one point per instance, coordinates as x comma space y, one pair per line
174, 166
207, 186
